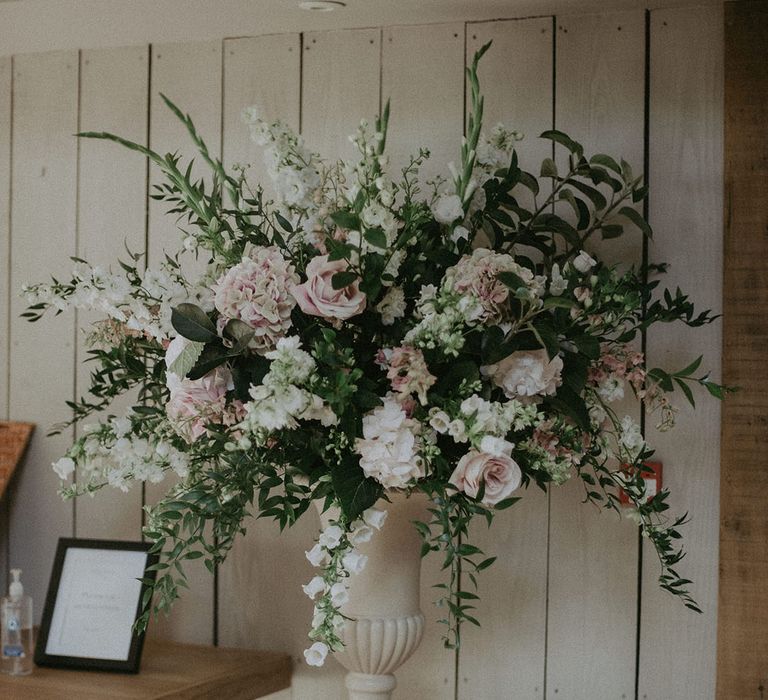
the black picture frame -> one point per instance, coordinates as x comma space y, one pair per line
129, 665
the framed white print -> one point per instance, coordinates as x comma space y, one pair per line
93, 600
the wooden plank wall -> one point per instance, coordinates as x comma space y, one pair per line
6, 71
742, 653
560, 607
686, 210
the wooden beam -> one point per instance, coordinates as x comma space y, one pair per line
742, 668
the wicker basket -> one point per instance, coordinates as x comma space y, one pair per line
14, 438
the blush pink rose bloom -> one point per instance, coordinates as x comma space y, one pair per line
195, 403
317, 297
257, 291
500, 474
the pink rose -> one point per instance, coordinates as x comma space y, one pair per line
499, 473
317, 297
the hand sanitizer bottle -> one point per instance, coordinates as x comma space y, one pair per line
16, 631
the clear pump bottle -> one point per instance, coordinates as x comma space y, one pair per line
16, 632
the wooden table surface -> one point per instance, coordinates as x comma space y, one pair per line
168, 671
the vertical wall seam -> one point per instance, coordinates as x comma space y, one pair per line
7, 508
464, 108
147, 189
381, 69
301, 82
549, 493
9, 247
643, 335
76, 325
215, 620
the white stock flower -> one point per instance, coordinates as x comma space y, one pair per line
317, 556
392, 306
330, 537
361, 533
558, 283
584, 262
375, 517
353, 561
339, 594
611, 389
457, 429
448, 208
315, 587
631, 436
439, 420
315, 655
63, 467
495, 446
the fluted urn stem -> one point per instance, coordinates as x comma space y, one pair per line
386, 623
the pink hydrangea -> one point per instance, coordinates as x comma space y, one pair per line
476, 275
196, 403
257, 291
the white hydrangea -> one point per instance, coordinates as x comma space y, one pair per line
389, 448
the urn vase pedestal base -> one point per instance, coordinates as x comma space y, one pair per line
386, 624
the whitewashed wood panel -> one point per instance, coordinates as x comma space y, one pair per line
5, 243
255, 609
427, 106
250, 80
505, 658
422, 73
5, 238
189, 75
593, 555
340, 86
111, 216
678, 647
42, 355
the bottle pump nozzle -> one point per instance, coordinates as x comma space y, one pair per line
16, 589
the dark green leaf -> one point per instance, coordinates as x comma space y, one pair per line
193, 323
563, 140
343, 279
346, 219
355, 491
637, 219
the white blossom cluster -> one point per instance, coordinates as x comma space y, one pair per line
292, 167
337, 554
479, 422
494, 150
143, 307
111, 454
284, 397
390, 449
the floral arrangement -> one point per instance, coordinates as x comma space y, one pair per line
363, 332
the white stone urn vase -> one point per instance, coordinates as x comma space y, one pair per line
386, 623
